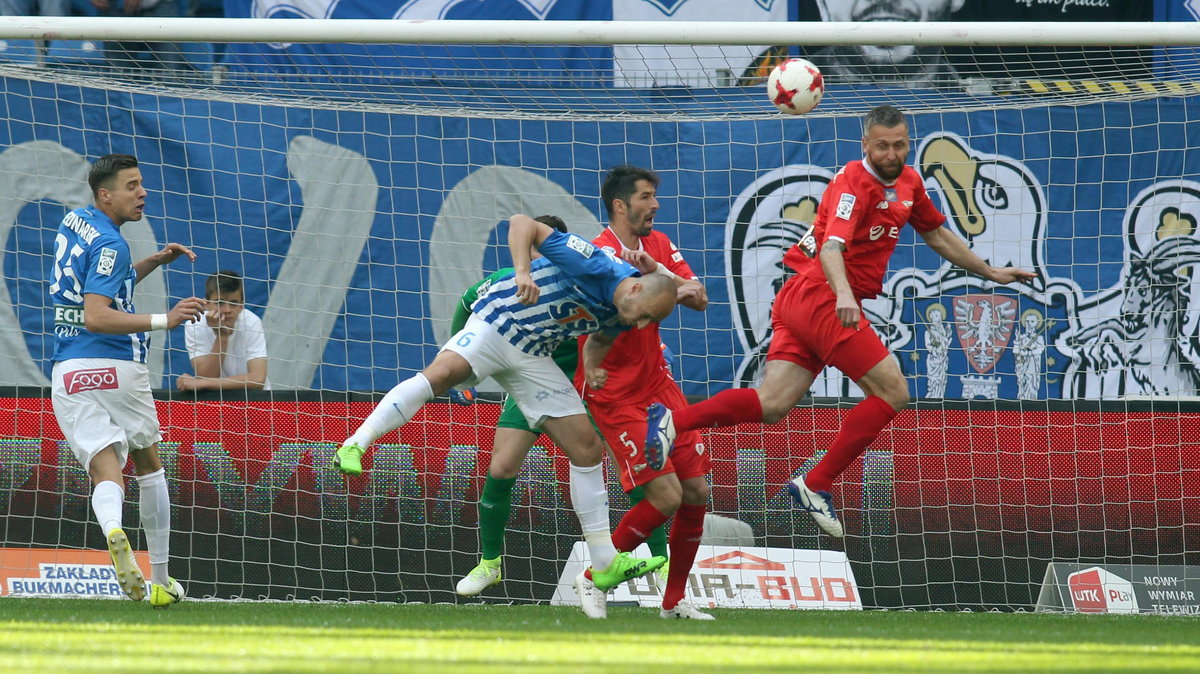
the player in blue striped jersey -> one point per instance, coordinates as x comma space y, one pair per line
574, 289
575, 283
100, 386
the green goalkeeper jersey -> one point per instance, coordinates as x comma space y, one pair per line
566, 356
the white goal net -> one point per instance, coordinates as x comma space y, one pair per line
359, 175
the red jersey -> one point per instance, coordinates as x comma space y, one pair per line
866, 215
635, 363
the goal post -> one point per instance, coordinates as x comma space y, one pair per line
359, 174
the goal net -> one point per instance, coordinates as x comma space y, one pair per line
359, 176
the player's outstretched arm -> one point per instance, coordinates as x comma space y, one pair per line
952, 248
167, 255
100, 317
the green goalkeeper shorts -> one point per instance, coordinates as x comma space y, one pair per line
512, 417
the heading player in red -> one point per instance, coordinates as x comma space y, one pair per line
618, 381
818, 320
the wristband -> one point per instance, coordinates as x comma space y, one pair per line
158, 321
662, 269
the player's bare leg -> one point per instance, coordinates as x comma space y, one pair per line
784, 384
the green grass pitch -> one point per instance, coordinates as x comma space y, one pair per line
49, 635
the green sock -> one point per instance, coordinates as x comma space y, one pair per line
657, 540
494, 505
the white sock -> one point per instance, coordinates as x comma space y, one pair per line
396, 408
107, 500
590, 500
156, 522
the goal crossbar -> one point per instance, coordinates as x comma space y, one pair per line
383, 31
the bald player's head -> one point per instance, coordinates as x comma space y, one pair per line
642, 300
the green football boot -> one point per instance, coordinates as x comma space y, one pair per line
624, 567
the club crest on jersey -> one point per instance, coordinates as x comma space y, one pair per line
845, 206
580, 246
108, 260
889, 194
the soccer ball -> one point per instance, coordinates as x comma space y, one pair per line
795, 86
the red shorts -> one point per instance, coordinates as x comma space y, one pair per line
623, 427
807, 332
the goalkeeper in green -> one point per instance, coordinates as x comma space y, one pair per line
513, 440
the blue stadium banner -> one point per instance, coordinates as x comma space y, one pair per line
1106, 217
420, 61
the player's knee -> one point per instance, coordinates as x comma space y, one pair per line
503, 470
666, 499
664, 491
774, 409
695, 491
896, 395
447, 370
587, 451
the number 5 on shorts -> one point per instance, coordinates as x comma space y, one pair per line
633, 450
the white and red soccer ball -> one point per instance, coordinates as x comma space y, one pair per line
795, 86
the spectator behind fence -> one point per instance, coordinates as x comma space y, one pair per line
167, 56
228, 349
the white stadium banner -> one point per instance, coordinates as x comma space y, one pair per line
1072, 587
738, 577
689, 65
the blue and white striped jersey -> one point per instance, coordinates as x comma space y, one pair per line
577, 281
91, 256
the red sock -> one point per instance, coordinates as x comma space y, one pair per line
636, 525
728, 408
686, 532
859, 429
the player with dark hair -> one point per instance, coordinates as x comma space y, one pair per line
620, 380
817, 317
574, 289
100, 385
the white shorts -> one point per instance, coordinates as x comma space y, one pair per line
102, 402
539, 387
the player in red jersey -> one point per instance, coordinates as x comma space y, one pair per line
818, 319
619, 379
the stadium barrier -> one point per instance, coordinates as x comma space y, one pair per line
957, 505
